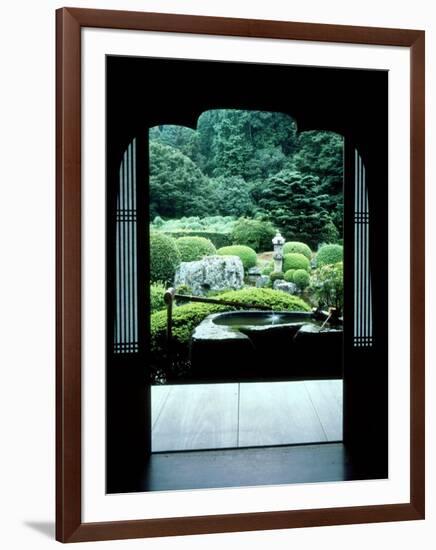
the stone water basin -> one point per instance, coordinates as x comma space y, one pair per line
257, 345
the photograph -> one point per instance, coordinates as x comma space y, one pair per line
246, 274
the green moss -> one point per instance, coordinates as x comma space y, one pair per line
295, 246
194, 248
295, 260
248, 255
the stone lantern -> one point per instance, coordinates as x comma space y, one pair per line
278, 242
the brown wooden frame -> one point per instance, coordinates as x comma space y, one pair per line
69, 526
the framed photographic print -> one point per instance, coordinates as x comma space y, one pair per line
240, 274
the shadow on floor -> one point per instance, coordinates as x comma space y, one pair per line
46, 528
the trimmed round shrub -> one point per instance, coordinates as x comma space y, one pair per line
295, 246
257, 234
276, 276
164, 257
194, 248
289, 275
301, 278
187, 316
157, 291
329, 254
248, 255
295, 260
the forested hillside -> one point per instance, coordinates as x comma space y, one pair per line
249, 164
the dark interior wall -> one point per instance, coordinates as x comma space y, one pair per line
144, 92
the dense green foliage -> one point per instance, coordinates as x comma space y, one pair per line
295, 246
301, 278
187, 316
289, 275
248, 255
249, 163
277, 276
329, 254
255, 233
327, 286
157, 291
295, 260
294, 202
219, 224
177, 186
231, 196
164, 257
194, 248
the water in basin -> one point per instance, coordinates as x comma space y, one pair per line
250, 318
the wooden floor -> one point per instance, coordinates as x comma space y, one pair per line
217, 416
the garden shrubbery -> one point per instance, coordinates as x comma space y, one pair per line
268, 268
216, 238
295, 260
301, 278
329, 254
257, 234
245, 253
187, 316
157, 291
276, 276
289, 275
295, 246
164, 257
194, 248
327, 286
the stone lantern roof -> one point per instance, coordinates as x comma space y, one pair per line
278, 239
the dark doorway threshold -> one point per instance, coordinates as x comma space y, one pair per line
184, 470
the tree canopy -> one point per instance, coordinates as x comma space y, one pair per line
250, 164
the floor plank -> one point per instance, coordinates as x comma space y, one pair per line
326, 396
197, 416
277, 413
252, 467
159, 395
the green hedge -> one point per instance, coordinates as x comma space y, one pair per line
329, 254
194, 248
289, 275
295, 246
248, 255
295, 260
164, 257
301, 278
187, 316
157, 291
257, 234
218, 239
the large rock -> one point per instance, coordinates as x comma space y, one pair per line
284, 286
263, 281
211, 273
